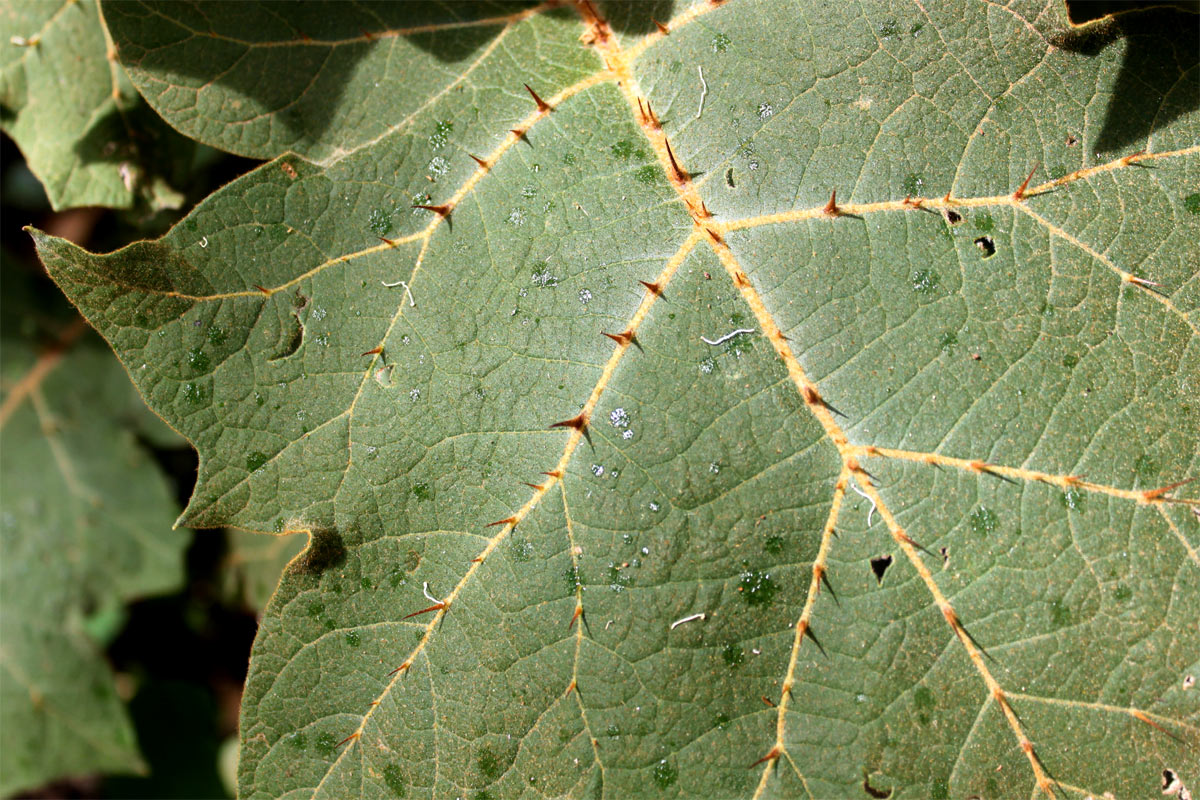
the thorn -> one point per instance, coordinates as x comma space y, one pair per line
435, 607
1141, 717
774, 753
807, 631
679, 173
442, 210
653, 119
554, 473
385, 240
263, 289
1019, 194
1140, 281
366, 34
716, 237
578, 422
1027, 747
831, 208
641, 110
661, 28
400, 668
622, 339
767, 700
704, 208
482, 164
1073, 480
575, 616
740, 280
542, 105
506, 521
1157, 494
374, 351
1132, 158
571, 686
477, 560
911, 202
536, 486
951, 617
653, 288
519, 133
829, 586
349, 738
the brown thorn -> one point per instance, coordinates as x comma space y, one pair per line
387, 241
482, 164
911, 202
1019, 194
951, 616
374, 351
437, 607
653, 288
349, 738
542, 105
620, 338
774, 753
679, 173
575, 616
401, 668
554, 473
661, 28
571, 686
536, 486
831, 208
704, 208
767, 700
1132, 158
477, 560
807, 631
654, 123
506, 521
366, 34
716, 237
263, 289
1156, 494
641, 110
578, 422
740, 279
442, 210
1138, 715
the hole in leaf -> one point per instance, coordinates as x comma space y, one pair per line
879, 565
953, 217
872, 790
729, 178
986, 246
1189, 681
945, 557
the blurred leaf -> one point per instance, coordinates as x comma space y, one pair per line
85, 525
547, 562
255, 564
77, 119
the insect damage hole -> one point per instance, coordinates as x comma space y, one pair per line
953, 217
986, 246
879, 565
1173, 787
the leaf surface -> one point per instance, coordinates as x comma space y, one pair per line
664, 472
85, 526
79, 122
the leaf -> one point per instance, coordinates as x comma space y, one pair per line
84, 528
856, 494
254, 564
75, 116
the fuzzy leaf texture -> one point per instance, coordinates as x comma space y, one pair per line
85, 526
854, 496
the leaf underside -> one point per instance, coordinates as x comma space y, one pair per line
898, 530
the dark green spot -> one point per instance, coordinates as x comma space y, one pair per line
329, 624
733, 655
912, 185
216, 335
925, 281
1070, 360
380, 221
612, 731
394, 778
889, 28
757, 588
774, 544
277, 233
1060, 615
938, 790
489, 764
720, 43
1122, 593
916, 28
571, 576
198, 360
365, 583
622, 149
721, 720
190, 224
255, 460
948, 342
195, 394
441, 133
568, 158
521, 550
1073, 499
984, 222
665, 774
353, 638
326, 743
1146, 466
298, 741
1192, 203
984, 521
421, 490
647, 175
923, 698
316, 609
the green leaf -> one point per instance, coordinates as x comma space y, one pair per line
859, 495
78, 121
84, 528
254, 564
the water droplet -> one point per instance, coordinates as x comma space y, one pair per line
627, 434
654, 506
925, 281
379, 221
438, 166
415, 394
706, 366
664, 774
714, 468
1073, 499
720, 43
195, 394
528, 191
619, 418
544, 280
598, 470
757, 588
255, 461
216, 335
585, 296
441, 134
765, 110
889, 29
516, 217
984, 521
353, 638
